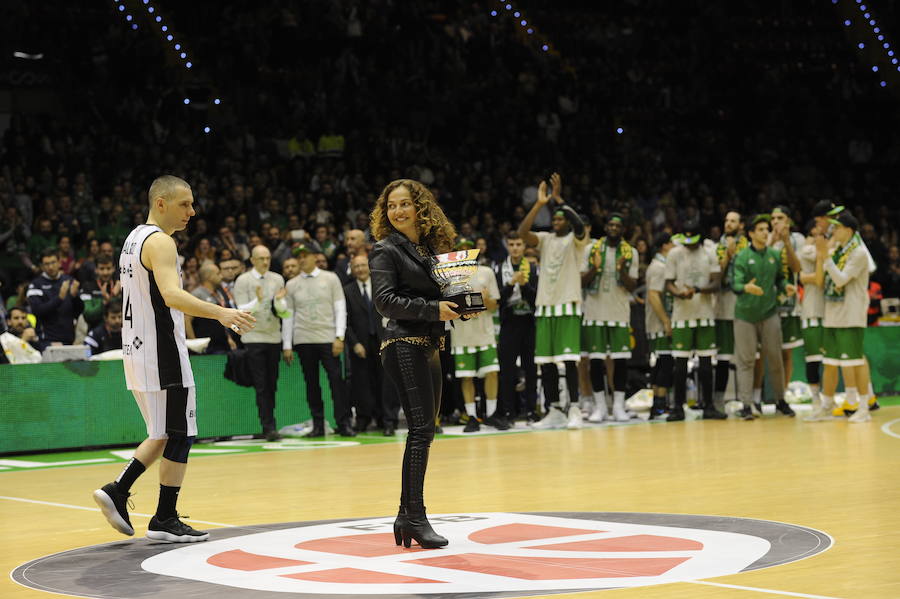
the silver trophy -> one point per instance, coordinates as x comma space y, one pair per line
452, 272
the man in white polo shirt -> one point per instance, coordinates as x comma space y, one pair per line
261, 292
315, 330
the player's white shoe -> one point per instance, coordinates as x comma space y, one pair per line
554, 419
575, 418
599, 414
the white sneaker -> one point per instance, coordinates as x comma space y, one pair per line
575, 418
587, 406
599, 414
553, 420
819, 415
619, 413
860, 416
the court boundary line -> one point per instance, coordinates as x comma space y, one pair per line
94, 509
886, 428
759, 590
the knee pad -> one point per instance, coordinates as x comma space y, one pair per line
812, 372
177, 448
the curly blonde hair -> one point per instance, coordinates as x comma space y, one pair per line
431, 222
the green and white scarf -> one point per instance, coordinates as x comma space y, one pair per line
740, 243
840, 256
623, 250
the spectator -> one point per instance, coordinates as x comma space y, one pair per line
892, 276
231, 269
54, 299
20, 343
107, 336
290, 269
66, 255
315, 330
354, 242
190, 274
278, 247
97, 292
364, 335
261, 292
210, 290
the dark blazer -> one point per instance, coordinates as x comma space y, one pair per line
358, 315
341, 268
403, 289
529, 290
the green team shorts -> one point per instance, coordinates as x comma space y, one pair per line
699, 340
557, 339
725, 339
609, 340
660, 344
843, 347
791, 332
813, 337
475, 361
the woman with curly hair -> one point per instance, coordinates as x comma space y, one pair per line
410, 228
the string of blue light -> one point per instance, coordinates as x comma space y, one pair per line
182, 53
529, 29
869, 20
520, 17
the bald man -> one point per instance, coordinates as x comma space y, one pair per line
354, 243
261, 292
155, 360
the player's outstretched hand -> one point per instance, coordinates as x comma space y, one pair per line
237, 320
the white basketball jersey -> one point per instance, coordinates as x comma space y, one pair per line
154, 352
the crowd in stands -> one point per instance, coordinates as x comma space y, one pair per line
740, 107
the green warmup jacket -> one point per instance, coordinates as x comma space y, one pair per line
764, 266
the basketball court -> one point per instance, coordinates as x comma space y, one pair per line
775, 507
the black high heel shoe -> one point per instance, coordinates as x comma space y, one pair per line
409, 527
398, 525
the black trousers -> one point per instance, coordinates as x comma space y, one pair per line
517, 341
416, 373
367, 387
263, 359
311, 355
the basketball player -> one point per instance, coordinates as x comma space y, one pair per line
155, 359
558, 327
730, 245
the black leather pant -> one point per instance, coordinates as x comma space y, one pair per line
416, 373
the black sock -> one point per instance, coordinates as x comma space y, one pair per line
132, 471
168, 497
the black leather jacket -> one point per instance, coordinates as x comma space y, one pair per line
403, 290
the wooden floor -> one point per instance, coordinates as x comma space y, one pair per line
836, 477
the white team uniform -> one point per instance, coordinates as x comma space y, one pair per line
154, 352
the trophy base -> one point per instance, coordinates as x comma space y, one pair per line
470, 302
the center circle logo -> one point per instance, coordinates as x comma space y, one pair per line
499, 554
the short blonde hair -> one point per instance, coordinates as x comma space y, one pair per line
165, 187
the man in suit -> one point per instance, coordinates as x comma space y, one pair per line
364, 334
354, 243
